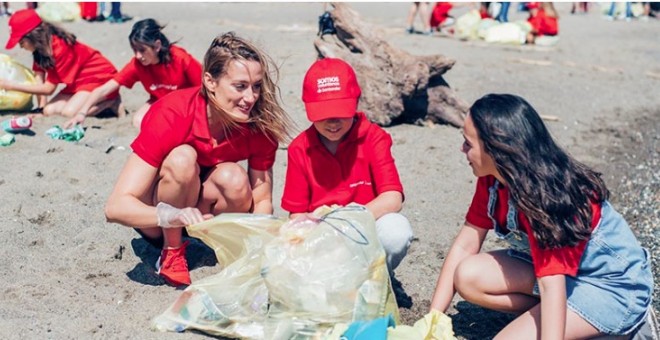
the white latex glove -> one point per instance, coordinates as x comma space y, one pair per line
171, 217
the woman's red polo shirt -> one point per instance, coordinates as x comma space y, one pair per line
180, 118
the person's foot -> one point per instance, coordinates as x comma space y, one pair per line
173, 267
120, 19
403, 300
410, 30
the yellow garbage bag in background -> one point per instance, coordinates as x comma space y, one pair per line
12, 70
284, 280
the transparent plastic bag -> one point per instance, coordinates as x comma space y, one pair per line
293, 280
12, 70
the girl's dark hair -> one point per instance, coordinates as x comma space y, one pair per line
549, 186
41, 36
145, 33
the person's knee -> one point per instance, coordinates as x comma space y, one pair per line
232, 178
50, 110
180, 165
394, 232
395, 235
466, 276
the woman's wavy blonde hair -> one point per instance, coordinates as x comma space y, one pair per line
267, 115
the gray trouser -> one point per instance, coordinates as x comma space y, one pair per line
395, 234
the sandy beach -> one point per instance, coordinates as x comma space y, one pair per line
67, 273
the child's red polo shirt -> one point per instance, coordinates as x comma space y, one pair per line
180, 118
361, 169
565, 260
181, 72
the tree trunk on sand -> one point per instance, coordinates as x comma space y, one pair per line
397, 87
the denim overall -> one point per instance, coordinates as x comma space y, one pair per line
614, 284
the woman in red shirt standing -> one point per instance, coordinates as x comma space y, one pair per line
59, 59
574, 269
184, 162
160, 66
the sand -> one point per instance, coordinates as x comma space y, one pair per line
67, 273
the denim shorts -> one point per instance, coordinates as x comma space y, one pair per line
614, 284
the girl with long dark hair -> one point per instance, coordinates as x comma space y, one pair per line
159, 65
573, 269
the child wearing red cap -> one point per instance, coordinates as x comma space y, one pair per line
184, 166
344, 158
59, 59
161, 67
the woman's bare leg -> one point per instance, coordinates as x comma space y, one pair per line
496, 281
178, 186
226, 189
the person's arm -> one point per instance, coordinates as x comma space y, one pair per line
468, 242
262, 190
40, 88
553, 306
386, 202
94, 98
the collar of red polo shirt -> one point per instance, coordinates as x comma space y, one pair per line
330, 90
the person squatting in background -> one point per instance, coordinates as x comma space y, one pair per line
574, 269
343, 157
159, 65
544, 20
59, 58
184, 168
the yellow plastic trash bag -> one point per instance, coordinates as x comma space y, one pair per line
282, 280
12, 70
433, 326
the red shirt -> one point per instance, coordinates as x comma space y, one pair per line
361, 169
565, 260
543, 24
181, 72
440, 13
180, 118
79, 66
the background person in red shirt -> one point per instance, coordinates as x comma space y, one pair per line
160, 66
61, 59
184, 162
574, 269
544, 20
344, 158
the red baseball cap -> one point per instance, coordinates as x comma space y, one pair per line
20, 24
330, 90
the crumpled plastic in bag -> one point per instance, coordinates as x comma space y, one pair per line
12, 70
286, 280
72, 134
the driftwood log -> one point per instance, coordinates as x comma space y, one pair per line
397, 87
